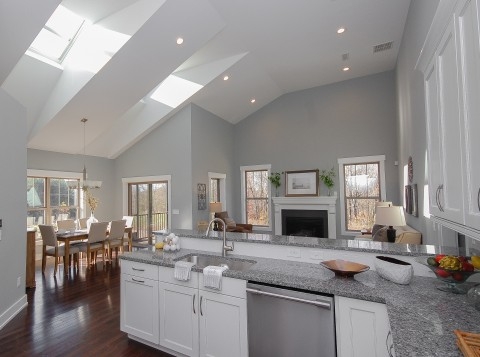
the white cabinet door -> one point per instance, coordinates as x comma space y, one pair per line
468, 35
139, 307
450, 195
179, 318
223, 325
362, 329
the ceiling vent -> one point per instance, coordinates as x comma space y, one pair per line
345, 56
382, 47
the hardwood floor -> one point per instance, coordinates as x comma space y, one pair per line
75, 315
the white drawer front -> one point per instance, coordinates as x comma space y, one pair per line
147, 271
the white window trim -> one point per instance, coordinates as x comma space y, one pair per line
341, 176
127, 180
243, 201
223, 189
64, 175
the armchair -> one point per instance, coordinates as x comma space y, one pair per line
232, 226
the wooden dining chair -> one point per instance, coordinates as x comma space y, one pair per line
66, 225
51, 247
95, 242
115, 239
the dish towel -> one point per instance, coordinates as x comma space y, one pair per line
182, 270
212, 276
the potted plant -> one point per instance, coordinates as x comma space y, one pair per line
327, 177
274, 179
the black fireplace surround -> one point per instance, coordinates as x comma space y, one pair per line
307, 223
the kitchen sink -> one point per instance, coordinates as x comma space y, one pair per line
202, 261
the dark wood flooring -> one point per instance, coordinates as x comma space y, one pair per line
74, 315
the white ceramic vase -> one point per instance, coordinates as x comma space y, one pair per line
395, 270
91, 220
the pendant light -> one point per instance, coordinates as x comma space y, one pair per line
86, 184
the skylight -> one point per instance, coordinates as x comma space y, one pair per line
174, 90
58, 34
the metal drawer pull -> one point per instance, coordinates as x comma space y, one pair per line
194, 303
478, 199
201, 299
322, 304
138, 281
137, 269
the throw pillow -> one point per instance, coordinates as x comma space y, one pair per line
375, 228
230, 223
221, 215
380, 235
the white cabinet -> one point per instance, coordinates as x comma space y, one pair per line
362, 329
223, 325
139, 301
179, 318
451, 66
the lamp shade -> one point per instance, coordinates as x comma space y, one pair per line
383, 204
390, 216
216, 207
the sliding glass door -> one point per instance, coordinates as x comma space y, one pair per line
148, 204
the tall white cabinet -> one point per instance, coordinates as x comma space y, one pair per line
451, 68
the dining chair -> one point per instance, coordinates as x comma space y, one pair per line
95, 242
82, 223
128, 221
66, 225
115, 238
51, 247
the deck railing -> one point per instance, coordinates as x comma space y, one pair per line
144, 227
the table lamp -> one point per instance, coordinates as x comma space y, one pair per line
390, 216
215, 207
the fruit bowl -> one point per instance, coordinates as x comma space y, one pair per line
452, 279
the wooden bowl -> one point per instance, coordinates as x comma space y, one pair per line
344, 268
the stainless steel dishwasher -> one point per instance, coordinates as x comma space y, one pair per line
284, 322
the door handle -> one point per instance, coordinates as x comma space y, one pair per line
322, 304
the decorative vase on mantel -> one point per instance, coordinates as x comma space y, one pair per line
91, 220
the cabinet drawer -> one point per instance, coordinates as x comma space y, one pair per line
166, 275
230, 286
147, 271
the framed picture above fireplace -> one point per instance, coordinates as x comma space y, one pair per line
301, 183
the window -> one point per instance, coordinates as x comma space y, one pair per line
214, 190
217, 190
256, 196
362, 181
58, 34
49, 197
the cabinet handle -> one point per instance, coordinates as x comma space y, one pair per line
436, 196
194, 295
201, 299
137, 269
138, 281
478, 199
439, 204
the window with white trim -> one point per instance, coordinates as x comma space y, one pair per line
362, 184
256, 207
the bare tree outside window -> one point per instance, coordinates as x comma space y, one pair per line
362, 190
256, 197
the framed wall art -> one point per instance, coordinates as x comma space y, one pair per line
301, 183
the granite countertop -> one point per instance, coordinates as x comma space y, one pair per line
422, 318
323, 243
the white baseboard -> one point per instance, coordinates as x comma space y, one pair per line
12, 311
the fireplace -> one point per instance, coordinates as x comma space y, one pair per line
308, 223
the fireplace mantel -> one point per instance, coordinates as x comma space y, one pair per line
326, 203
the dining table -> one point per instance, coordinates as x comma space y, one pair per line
80, 235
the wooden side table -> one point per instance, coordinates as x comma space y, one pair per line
30, 262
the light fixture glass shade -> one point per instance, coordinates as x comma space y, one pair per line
216, 207
390, 216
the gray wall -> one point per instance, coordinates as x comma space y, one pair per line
13, 158
164, 151
312, 128
212, 151
411, 107
97, 169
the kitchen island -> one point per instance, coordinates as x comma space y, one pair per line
422, 318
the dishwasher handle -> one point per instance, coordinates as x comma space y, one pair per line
322, 304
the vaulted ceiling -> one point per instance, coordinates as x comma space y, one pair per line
267, 48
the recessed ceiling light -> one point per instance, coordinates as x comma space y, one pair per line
179, 41
225, 78
345, 69
341, 30
252, 100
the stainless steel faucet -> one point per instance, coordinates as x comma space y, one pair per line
226, 248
